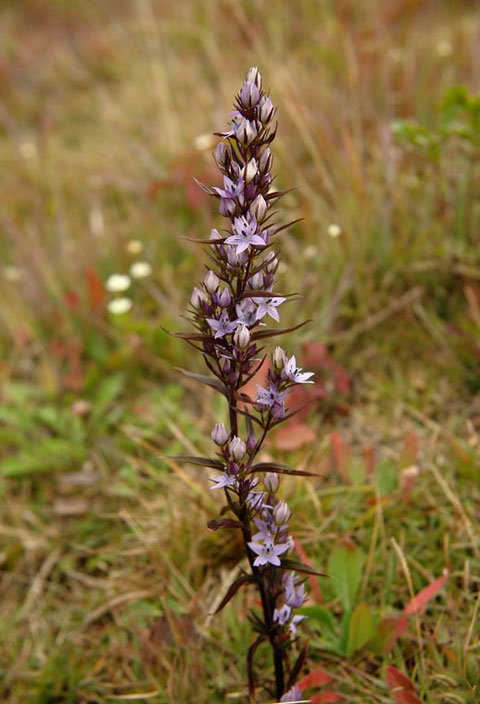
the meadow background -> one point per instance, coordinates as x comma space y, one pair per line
108, 572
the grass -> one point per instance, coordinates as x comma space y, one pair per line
108, 573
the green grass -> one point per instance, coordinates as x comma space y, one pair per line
108, 572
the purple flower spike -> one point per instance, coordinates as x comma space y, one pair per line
268, 553
245, 234
268, 305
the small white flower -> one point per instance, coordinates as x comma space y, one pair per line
334, 230
140, 270
117, 283
28, 149
134, 246
118, 306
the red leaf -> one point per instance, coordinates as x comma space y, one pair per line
313, 580
315, 679
397, 680
405, 697
293, 436
339, 456
390, 630
96, 292
420, 601
325, 697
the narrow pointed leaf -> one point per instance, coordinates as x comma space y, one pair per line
284, 227
298, 566
250, 656
207, 380
281, 331
421, 599
204, 187
217, 523
278, 468
232, 590
202, 461
297, 667
251, 293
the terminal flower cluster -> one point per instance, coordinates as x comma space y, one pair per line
230, 309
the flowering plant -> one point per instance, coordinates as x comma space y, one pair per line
229, 310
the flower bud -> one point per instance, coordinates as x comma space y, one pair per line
245, 131
254, 76
197, 297
224, 298
271, 262
271, 482
242, 336
235, 259
237, 448
279, 358
259, 208
266, 111
281, 513
227, 207
215, 235
256, 281
251, 170
219, 434
265, 161
251, 442
249, 94
221, 156
211, 281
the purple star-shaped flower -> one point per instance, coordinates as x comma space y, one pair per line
267, 553
294, 373
247, 312
267, 397
244, 234
295, 597
293, 624
263, 531
268, 305
281, 616
230, 188
222, 326
223, 480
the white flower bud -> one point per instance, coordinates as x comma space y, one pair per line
219, 434
281, 513
279, 358
117, 283
265, 161
259, 207
271, 482
211, 281
227, 207
251, 170
254, 76
197, 297
256, 281
242, 336
237, 448
271, 262
249, 94
245, 131
221, 155
267, 111
224, 298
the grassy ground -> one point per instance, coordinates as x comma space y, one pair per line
108, 573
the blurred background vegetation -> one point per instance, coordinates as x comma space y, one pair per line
107, 570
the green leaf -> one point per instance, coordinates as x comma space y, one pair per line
345, 568
386, 476
207, 380
360, 629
